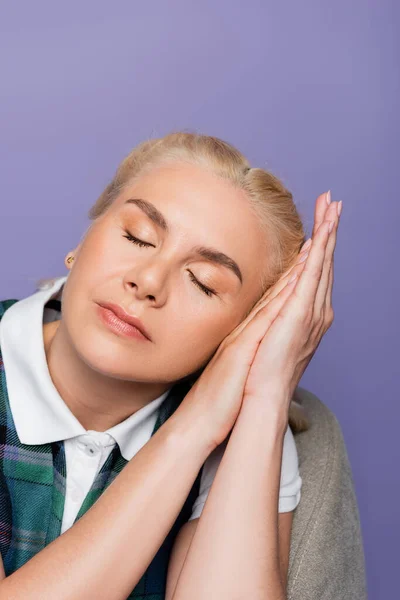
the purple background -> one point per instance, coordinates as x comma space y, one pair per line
307, 89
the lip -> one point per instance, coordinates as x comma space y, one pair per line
131, 320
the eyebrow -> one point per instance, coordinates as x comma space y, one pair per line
210, 254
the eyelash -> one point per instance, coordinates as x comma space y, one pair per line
141, 244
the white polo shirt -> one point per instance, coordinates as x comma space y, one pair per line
41, 415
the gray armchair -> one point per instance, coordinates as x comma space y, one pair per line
326, 559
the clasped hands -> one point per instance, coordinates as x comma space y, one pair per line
299, 313
270, 349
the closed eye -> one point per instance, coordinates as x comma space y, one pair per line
136, 241
142, 244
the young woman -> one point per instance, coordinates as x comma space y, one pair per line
160, 372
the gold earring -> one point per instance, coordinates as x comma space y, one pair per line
70, 259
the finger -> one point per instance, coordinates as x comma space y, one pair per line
281, 283
328, 298
321, 207
274, 306
320, 297
267, 314
307, 285
274, 289
285, 275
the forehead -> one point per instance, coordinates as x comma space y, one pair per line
188, 190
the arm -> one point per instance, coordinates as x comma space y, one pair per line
235, 551
187, 532
241, 513
99, 557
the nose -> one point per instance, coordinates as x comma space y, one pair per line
139, 292
149, 281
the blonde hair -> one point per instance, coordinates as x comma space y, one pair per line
268, 198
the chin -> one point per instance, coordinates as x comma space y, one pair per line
110, 360
116, 362
123, 359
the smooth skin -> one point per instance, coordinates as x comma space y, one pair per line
133, 495
295, 325
154, 282
226, 379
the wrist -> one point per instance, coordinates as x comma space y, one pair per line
271, 407
190, 431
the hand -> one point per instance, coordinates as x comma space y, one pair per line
216, 397
297, 325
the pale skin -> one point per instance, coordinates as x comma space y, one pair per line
175, 311
295, 320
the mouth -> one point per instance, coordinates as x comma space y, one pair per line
115, 317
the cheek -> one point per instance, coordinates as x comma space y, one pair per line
102, 247
98, 256
201, 337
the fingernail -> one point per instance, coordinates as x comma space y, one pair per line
292, 278
307, 244
339, 208
303, 258
328, 197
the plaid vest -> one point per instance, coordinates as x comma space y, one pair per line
32, 492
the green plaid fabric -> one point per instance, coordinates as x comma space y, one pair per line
32, 492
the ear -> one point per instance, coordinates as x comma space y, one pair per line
74, 251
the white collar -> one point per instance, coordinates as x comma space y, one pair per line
40, 414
